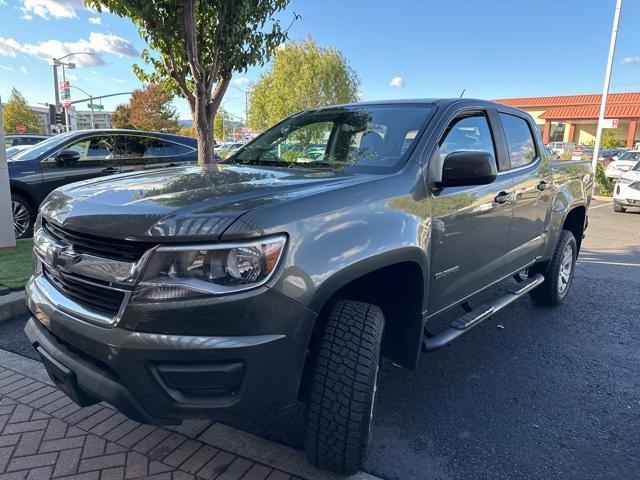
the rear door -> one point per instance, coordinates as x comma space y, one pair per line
530, 171
470, 225
99, 155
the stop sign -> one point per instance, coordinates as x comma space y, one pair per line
21, 128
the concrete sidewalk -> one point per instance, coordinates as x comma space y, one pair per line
44, 435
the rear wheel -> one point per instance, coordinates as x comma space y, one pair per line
343, 387
558, 274
618, 208
23, 216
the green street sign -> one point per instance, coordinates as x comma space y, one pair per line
95, 106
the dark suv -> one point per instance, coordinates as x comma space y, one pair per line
79, 155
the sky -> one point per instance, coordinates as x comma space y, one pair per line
399, 48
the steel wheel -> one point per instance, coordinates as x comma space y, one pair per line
21, 218
566, 269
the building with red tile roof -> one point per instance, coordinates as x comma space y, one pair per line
574, 118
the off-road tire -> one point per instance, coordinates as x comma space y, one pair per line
344, 374
548, 294
618, 208
31, 212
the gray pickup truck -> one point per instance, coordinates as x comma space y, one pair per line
287, 272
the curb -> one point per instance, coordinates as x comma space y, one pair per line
13, 305
600, 198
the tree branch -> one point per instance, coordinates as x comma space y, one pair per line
191, 38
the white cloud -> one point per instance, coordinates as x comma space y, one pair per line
118, 80
6, 68
241, 81
52, 8
95, 20
360, 95
9, 47
72, 77
631, 60
396, 82
96, 44
24, 70
27, 17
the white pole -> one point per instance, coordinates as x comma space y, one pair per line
7, 233
607, 79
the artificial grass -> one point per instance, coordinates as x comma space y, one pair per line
16, 264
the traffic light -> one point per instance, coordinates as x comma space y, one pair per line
56, 118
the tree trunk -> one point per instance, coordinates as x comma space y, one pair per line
203, 122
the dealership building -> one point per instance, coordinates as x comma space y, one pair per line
574, 118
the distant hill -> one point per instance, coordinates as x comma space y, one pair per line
185, 123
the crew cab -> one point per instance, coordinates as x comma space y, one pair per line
79, 155
281, 275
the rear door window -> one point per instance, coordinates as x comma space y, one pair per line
522, 148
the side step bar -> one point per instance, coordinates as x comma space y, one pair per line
470, 319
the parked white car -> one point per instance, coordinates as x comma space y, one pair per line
624, 163
627, 191
561, 147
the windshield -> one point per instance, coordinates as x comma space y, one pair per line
632, 156
363, 138
38, 149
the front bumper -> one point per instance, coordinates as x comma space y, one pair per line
625, 196
157, 373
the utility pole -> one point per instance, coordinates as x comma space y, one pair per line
607, 80
7, 232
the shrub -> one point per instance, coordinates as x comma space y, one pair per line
606, 185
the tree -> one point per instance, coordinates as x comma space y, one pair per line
198, 45
151, 109
302, 76
611, 139
121, 117
17, 112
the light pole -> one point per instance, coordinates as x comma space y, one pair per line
605, 88
246, 102
54, 64
90, 103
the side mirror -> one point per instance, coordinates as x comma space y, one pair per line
68, 157
467, 168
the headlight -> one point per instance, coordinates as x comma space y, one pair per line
624, 181
192, 271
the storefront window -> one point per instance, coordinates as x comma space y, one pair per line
557, 132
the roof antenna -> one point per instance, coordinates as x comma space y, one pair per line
461, 94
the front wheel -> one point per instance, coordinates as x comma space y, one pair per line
343, 387
558, 275
618, 208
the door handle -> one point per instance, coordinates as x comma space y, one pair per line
542, 186
502, 197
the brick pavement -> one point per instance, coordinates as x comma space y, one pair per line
45, 435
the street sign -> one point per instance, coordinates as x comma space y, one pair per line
610, 123
95, 106
21, 128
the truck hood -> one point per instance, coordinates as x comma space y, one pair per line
182, 203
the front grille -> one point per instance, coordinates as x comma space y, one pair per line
92, 296
122, 250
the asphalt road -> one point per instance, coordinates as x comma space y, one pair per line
532, 393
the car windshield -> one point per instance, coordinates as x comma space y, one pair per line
361, 138
633, 156
38, 149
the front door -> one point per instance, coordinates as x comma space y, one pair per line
532, 182
98, 155
470, 225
